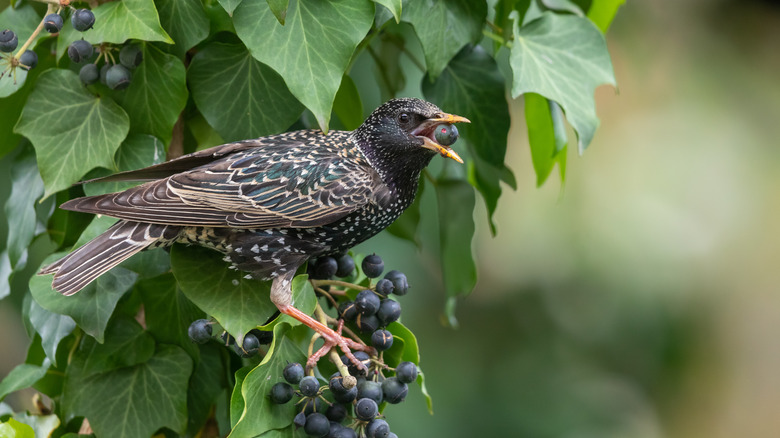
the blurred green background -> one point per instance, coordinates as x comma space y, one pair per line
641, 299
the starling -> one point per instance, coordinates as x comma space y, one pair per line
268, 204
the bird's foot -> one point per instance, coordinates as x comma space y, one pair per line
332, 338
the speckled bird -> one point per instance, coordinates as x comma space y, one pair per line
268, 204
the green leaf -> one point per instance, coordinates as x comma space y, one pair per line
92, 306
444, 27
127, 344
42, 425
26, 189
543, 135
52, 327
133, 401
410, 352
472, 86
393, 6
602, 12
236, 399
230, 5
13, 79
22, 21
16, 429
456, 230
156, 95
406, 225
22, 376
208, 381
545, 61
71, 129
348, 106
185, 21
240, 97
168, 312
260, 414
279, 8
136, 152
312, 50
117, 22
389, 72
5, 274
237, 303
563, 5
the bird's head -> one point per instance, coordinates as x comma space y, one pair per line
402, 132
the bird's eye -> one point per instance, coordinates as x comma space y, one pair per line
403, 118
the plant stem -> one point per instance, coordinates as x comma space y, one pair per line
35, 33
316, 283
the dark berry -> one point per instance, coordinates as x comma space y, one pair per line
118, 77
325, 268
293, 373
250, 345
394, 391
131, 56
366, 409
309, 386
29, 59
401, 286
89, 74
367, 302
389, 311
406, 372
317, 425
103, 72
82, 20
52, 23
377, 428
384, 287
79, 51
263, 336
313, 404
281, 393
348, 396
342, 432
446, 134
370, 389
346, 265
367, 324
200, 330
373, 266
8, 41
299, 420
382, 340
227, 338
348, 310
336, 412
361, 356
392, 435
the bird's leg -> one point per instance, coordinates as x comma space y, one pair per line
281, 296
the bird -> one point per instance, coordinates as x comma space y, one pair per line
268, 204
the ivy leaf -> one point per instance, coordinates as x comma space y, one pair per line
42, 425
544, 61
13, 80
22, 376
236, 399
5, 274
168, 312
23, 21
472, 86
602, 12
127, 344
26, 188
156, 95
444, 27
410, 352
563, 5
456, 230
237, 303
92, 307
71, 129
52, 327
543, 136
394, 6
312, 50
260, 414
230, 5
279, 8
406, 225
347, 105
136, 152
185, 21
132, 401
208, 381
117, 22
16, 429
240, 97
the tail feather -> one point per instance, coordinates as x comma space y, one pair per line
82, 266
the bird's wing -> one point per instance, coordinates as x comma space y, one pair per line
279, 185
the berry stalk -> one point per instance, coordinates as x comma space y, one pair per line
49, 10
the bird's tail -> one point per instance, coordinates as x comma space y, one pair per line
82, 266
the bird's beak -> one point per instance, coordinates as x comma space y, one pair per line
426, 132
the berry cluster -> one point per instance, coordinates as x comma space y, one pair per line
347, 407
200, 332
